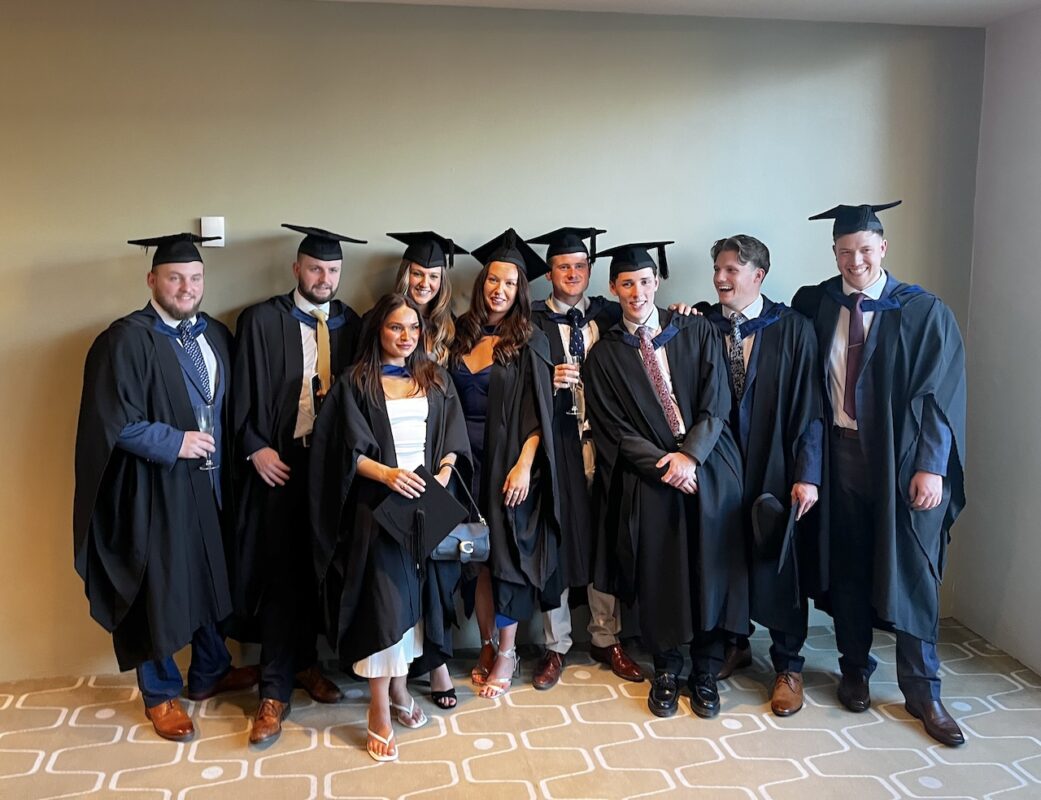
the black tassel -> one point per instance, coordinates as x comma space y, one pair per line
663, 264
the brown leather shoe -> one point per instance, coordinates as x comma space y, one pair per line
267, 724
321, 689
236, 679
170, 721
547, 671
787, 695
734, 658
620, 663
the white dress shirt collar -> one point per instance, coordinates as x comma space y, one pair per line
557, 307
306, 305
751, 311
651, 321
167, 319
874, 291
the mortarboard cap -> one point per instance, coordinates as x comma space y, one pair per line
420, 524
632, 257
569, 240
772, 525
321, 244
853, 219
177, 248
428, 249
512, 249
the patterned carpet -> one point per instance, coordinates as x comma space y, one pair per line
591, 736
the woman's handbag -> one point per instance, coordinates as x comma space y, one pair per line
468, 541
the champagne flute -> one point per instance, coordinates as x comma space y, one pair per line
575, 388
204, 418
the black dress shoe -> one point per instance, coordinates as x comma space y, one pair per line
704, 697
853, 692
938, 723
664, 698
735, 658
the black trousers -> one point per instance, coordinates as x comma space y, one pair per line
852, 567
706, 655
289, 609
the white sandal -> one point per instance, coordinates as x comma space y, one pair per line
496, 687
405, 715
479, 674
381, 756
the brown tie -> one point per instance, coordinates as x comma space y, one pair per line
324, 366
854, 355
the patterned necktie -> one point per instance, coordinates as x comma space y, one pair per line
650, 363
736, 354
194, 353
854, 355
324, 365
577, 345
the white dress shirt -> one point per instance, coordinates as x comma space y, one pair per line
837, 356
208, 356
309, 339
590, 335
651, 321
751, 311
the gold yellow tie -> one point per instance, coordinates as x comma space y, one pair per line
325, 369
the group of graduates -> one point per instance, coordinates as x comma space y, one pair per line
712, 466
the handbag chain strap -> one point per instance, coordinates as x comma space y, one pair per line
466, 491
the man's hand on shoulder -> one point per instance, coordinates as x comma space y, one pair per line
684, 310
271, 469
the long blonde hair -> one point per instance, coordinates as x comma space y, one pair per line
440, 327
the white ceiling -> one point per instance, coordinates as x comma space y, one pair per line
967, 13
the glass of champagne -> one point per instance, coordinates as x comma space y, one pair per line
575, 388
204, 418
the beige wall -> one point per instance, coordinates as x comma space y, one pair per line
995, 574
128, 118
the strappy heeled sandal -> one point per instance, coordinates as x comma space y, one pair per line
404, 714
392, 756
496, 687
479, 674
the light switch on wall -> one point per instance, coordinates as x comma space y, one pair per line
212, 226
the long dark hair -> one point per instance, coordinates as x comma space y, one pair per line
367, 374
513, 331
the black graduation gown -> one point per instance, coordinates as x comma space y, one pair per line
371, 590
913, 356
577, 537
147, 538
681, 556
525, 539
268, 373
780, 402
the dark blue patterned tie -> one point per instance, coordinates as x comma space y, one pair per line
194, 353
737, 354
577, 345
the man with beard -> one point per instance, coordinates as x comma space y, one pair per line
771, 353
669, 479
892, 368
289, 349
148, 501
573, 323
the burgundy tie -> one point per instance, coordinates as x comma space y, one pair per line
650, 363
854, 355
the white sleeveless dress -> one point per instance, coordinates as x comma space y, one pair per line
408, 425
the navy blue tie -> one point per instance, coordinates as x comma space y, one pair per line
577, 344
194, 353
